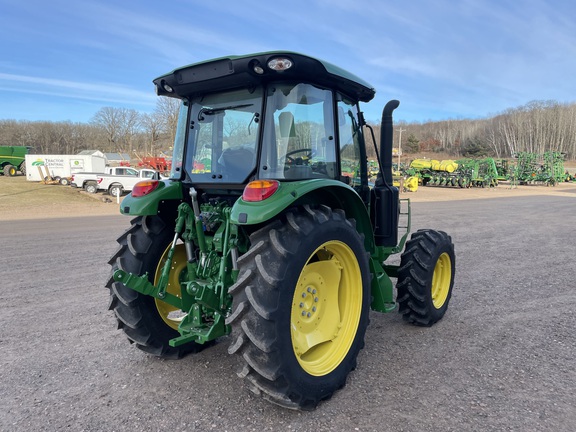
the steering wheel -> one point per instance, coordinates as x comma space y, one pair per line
292, 160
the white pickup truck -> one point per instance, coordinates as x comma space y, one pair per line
115, 185
89, 180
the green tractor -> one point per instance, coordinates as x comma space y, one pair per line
259, 236
12, 159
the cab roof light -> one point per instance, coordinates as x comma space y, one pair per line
259, 190
257, 67
144, 188
165, 86
280, 63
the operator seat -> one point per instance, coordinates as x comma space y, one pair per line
237, 163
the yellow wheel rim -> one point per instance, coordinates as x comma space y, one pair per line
441, 280
326, 308
170, 314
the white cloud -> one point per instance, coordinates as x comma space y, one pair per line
95, 91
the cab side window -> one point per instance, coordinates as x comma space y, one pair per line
349, 142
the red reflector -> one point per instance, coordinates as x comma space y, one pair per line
259, 190
144, 187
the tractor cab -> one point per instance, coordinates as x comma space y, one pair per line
274, 116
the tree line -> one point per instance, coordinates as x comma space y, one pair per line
537, 127
111, 130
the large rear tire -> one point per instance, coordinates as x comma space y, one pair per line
426, 277
301, 306
146, 321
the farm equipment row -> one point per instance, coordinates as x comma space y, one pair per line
526, 168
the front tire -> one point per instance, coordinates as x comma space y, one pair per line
301, 306
146, 321
426, 277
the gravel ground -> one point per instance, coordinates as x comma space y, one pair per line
501, 359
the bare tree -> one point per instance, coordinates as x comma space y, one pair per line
152, 127
129, 127
167, 109
110, 120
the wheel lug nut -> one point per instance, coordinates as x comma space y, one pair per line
316, 299
313, 308
309, 314
301, 305
313, 291
303, 295
303, 313
309, 289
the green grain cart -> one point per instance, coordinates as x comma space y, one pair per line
12, 160
258, 235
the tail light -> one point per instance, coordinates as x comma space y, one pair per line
144, 187
259, 190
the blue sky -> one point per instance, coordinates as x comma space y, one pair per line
443, 59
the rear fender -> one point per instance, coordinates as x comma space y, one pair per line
331, 193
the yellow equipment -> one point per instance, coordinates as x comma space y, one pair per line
411, 184
445, 165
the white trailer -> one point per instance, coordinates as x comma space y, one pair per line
40, 166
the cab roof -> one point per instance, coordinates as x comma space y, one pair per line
226, 73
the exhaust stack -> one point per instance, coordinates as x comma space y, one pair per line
384, 197
386, 140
